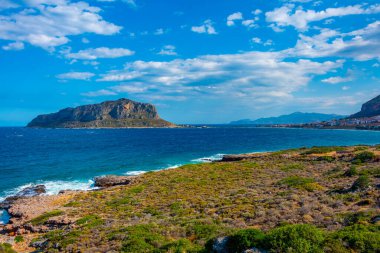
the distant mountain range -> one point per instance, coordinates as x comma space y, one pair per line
294, 118
122, 113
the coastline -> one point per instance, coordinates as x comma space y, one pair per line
264, 174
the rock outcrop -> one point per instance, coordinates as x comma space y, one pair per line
369, 109
111, 180
122, 113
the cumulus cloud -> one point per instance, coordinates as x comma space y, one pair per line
76, 76
259, 76
99, 93
168, 50
14, 46
49, 23
287, 15
234, 17
100, 52
206, 27
337, 79
362, 44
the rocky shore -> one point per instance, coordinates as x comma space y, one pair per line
327, 190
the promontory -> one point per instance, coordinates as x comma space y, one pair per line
121, 113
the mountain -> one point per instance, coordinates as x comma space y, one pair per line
369, 109
294, 118
121, 113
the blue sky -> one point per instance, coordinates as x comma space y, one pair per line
197, 61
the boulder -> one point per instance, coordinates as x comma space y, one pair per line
111, 180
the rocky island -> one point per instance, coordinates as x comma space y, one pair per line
122, 113
320, 199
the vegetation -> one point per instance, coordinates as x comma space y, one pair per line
45, 217
6, 248
288, 201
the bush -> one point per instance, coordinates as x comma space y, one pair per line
245, 239
19, 239
322, 150
359, 237
142, 238
301, 183
296, 239
292, 166
365, 156
352, 171
361, 183
45, 217
6, 248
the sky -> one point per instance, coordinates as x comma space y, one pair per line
210, 61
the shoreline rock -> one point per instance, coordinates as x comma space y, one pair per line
113, 180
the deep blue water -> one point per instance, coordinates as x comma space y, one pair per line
69, 158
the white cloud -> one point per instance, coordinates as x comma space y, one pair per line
337, 79
49, 23
168, 50
345, 88
100, 52
99, 93
362, 44
261, 76
206, 27
299, 18
159, 31
85, 41
250, 23
233, 17
76, 76
14, 46
256, 40
257, 12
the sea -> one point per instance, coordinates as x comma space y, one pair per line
70, 158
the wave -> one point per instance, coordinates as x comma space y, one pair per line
135, 172
52, 187
209, 159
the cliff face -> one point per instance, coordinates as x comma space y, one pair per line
119, 113
369, 109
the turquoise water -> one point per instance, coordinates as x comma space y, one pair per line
71, 158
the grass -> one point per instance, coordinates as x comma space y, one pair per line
45, 217
302, 183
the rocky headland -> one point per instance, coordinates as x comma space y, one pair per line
122, 113
326, 197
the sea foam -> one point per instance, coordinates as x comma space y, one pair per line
209, 159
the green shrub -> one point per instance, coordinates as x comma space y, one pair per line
19, 239
142, 238
326, 158
365, 156
296, 239
181, 246
361, 183
45, 217
6, 248
322, 150
292, 166
359, 237
245, 239
352, 171
90, 221
301, 183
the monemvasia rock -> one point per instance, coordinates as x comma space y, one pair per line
112, 180
122, 113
